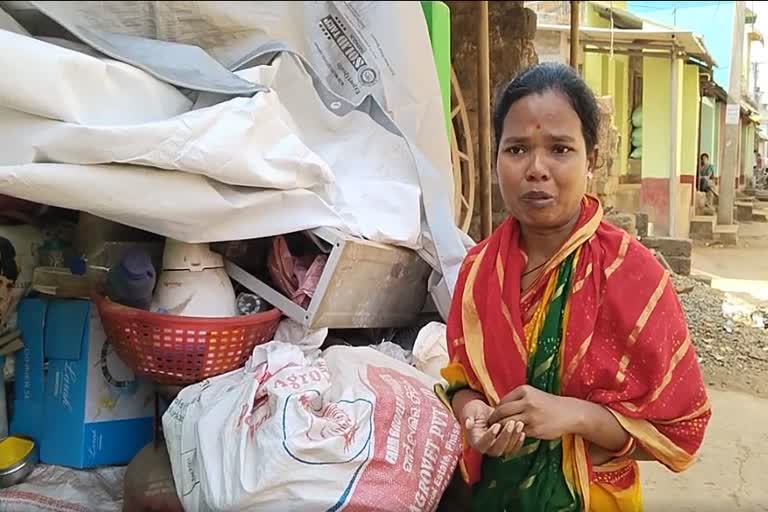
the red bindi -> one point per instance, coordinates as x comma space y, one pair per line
538, 126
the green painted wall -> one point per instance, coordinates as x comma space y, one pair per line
708, 141
656, 119
438, 18
681, 108
623, 114
716, 152
656, 132
747, 150
595, 69
710, 130
690, 125
609, 76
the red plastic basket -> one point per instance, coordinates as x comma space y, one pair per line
178, 350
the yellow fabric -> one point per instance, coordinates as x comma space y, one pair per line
533, 328
609, 499
576, 468
597, 497
455, 375
473, 330
655, 443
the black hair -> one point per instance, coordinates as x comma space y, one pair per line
551, 76
704, 155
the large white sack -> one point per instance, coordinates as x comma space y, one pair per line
50, 81
338, 433
377, 188
245, 141
193, 208
376, 194
375, 55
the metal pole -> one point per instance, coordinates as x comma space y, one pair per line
674, 135
575, 35
727, 192
484, 120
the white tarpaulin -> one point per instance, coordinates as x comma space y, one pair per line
350, 136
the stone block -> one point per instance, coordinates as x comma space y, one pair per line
680, 265
625, 221
743, 211
701, 201
728, 235
702, 228
641, 224
670, 247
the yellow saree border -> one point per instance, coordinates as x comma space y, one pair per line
656, 443
576, 468
473, 332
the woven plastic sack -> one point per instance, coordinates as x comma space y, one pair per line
340, 432
637, 117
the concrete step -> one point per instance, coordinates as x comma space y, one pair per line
760, 215
702, 227
743, 210
727, 234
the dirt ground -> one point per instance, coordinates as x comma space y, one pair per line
729, 472
743, 272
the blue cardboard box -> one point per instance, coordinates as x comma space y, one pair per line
74, 396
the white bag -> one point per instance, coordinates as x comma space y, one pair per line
430, 350
338, 433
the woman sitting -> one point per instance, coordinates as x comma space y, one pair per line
570, 355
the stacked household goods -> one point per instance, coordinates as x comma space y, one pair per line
244, 182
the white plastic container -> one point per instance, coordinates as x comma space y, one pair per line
193, 283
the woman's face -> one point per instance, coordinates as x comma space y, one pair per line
704, 160
543, 161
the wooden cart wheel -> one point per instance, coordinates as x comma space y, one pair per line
462, 158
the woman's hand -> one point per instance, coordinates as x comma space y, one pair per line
494, 440
549, 417
545, 416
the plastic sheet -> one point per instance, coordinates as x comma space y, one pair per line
53, 488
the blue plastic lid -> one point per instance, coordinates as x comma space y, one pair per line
137, 264
78, 266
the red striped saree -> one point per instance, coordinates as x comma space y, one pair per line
624, 343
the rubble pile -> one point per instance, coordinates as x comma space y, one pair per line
722, 345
